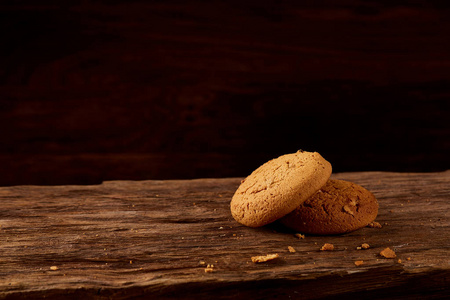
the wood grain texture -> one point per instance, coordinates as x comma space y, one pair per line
137, 239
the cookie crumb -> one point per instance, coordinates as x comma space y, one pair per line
209, 268
365, 246
264, 258
291, 249
388, 253
54, 268
327, 247
300, 236
408, 258
399, 261
374, 224
359, 263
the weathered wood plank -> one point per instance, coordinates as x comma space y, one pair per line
125, 239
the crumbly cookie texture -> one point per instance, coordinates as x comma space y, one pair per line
279, 186
327, 247
359, 263
264, 258
338, 207
374, 224
388, 253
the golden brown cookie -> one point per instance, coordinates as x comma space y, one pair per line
279, 186
338, 207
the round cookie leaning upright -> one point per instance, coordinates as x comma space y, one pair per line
278, 187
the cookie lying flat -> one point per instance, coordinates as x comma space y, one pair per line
338, 207
279, 186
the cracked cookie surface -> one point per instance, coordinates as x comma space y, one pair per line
279, 186
338, 207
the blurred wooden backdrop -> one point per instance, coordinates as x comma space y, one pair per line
101, 90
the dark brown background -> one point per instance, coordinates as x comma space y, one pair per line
100, 90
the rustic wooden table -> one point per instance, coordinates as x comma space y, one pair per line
136, 239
